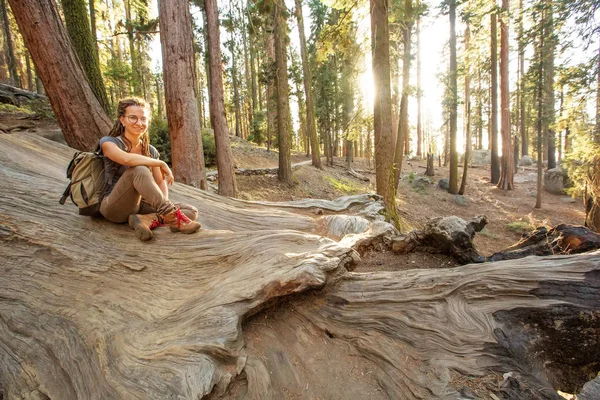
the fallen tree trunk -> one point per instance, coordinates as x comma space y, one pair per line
89, 312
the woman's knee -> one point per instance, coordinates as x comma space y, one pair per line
140, 170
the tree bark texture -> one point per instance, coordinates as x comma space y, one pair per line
508, 164
218, 120
310, 108
403, 132
77, 110
382, 108
453, 179
495, 177
78, 27
185, 317
282, 85
180, 93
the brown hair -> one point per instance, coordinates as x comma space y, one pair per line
118, 129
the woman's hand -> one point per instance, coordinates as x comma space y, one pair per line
167, 174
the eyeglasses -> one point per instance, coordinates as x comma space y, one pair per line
134, 119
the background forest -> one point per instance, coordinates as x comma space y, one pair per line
343, 79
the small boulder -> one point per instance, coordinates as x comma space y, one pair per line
421, 182
444, 183
555, 181
461, 200
526, 161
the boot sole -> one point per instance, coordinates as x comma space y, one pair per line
140, 231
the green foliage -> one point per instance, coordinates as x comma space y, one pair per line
344, 185
159, 138
582, 163
259, 128
520, 227
411, 177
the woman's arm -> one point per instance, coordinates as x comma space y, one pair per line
160, 181
112, 151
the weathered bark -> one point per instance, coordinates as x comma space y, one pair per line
382, 108
310, 108
507, 163
218, 120
561, 239
143, 323
281, 83
495, 173
430, 171
463, 184
453, 179
176, 39
58, 67
402, 138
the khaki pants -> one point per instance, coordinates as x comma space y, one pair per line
135, 184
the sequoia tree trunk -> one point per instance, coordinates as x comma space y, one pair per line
176, 40
281, 83
77, 111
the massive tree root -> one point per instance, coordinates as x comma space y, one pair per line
89, 312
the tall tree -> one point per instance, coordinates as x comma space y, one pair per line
310, 108
419, 94
218, 120
402, 138
549, 113
453, 180
12, 60
78, 27
176, 40
508, 163
382, 107
495, 178
540, 103
282, 89
463, 184
58, 67
521, 79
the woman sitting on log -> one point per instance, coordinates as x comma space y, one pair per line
138, 190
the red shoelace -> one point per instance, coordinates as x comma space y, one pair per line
181, 217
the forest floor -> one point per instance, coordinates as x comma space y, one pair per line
509, 213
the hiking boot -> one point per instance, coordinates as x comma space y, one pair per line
178, 222
143, 225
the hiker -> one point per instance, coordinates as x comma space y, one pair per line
138, 191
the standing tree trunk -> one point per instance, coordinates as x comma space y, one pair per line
218, 119
453, 181
176, 40
310, 108
281, 83
402, 138
494, 99
540, 103
549, 114
463, 184
521, 80
382, 107
508, 163
419, 94
271, 88
78, 26
135, 64
12, 60
58, 67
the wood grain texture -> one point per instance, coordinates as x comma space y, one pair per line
89, 312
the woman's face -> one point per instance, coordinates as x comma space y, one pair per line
135, 120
